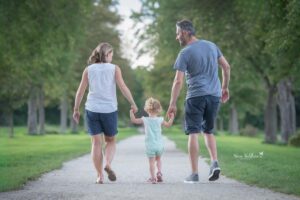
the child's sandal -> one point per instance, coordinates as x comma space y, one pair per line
159, 177
152, 180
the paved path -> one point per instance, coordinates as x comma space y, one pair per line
75, 180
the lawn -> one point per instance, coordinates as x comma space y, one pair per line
25, 157
251, 161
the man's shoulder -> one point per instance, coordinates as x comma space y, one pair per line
207, 42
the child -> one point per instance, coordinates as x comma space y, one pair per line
153, 139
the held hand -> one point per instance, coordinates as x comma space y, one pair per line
225, 95
134, 108
76, 115
171, 111
171, 116
131, 111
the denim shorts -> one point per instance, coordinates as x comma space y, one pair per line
200, 114
102, 123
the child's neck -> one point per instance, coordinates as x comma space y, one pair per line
152, 115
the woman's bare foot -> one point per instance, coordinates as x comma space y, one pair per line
99, 180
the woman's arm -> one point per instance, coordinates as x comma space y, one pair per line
79, 94
133, 119
124, 89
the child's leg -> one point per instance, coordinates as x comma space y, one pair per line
158, 163
152, 167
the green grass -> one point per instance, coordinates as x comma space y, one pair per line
25, 157
278, 168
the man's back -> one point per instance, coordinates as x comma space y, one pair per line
199, 61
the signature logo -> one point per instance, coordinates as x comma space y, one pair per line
248, 156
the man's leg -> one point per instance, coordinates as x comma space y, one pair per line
215, 170
193, 149
210, 142
209, 118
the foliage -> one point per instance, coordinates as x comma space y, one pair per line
26, 157
295, 140
243, 159
258, 38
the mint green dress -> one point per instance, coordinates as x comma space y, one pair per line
153, 137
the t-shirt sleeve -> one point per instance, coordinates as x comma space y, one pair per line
181, 61
143, 119
161, 120
219, 53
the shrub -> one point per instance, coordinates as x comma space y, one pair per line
249, 130
295, 140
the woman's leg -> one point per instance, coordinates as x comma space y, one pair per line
97, 155
110, 150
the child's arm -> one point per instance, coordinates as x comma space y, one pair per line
133, 119
170, 122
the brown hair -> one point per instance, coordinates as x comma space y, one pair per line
100, 52
186, 25
153, 106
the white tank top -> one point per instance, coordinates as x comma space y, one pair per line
102, 97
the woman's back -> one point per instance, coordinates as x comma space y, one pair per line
102, 96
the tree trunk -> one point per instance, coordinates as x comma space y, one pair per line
286, 103
233, 120
221, 123
32, 112
271, 116
11, 123
216, 128
41, 111
63, 114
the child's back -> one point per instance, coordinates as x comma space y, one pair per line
153, 137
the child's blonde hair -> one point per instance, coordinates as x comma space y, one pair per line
152, 106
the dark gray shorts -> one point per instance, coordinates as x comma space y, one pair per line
200, 114
102, 123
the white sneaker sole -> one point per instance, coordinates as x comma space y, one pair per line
190, 182
215, 174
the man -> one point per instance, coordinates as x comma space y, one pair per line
198, 62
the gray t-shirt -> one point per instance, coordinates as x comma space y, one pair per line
199, 61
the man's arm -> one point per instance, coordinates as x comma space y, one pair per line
225, 78
176, 88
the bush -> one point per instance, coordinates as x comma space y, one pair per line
249, 130
295, 140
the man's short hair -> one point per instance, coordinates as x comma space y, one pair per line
186, 25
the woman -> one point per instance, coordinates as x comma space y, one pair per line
101, 105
